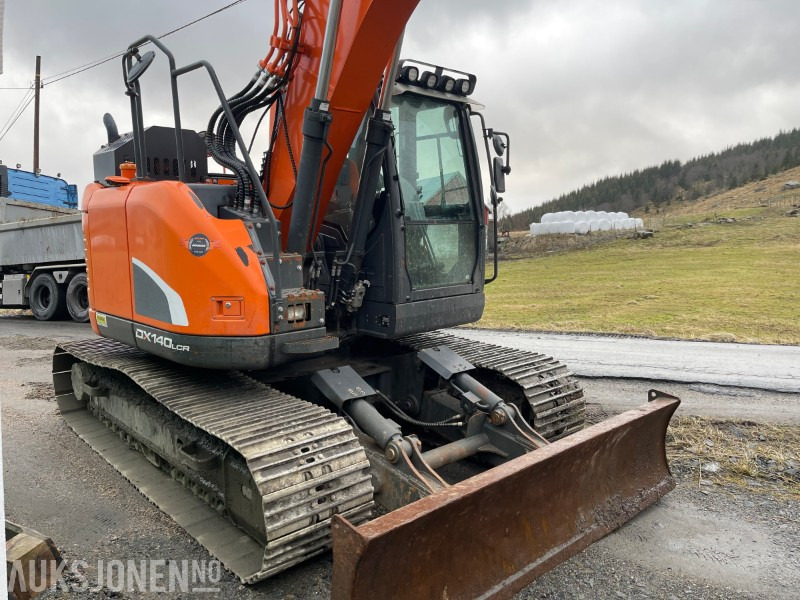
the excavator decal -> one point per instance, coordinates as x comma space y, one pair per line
154, 297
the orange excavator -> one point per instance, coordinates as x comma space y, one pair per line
269, 369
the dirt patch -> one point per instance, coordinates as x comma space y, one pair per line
24, 342
760, 457
27, 361
517, 247
37, 390
14, 312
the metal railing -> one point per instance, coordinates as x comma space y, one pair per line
138, 132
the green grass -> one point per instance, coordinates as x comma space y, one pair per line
726, 282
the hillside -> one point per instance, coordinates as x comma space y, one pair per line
728, 275
765, 192
654, 189
721, 267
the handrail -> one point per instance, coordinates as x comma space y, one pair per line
174, 74
492, 196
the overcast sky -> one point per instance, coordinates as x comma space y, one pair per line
586, 89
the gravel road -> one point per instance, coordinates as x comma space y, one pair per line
708, 542
759, 366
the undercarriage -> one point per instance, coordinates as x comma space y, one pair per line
257, 466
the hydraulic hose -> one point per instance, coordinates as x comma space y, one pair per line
263, 90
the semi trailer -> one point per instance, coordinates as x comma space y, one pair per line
42, 263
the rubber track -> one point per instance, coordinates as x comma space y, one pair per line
305, 461
555, 398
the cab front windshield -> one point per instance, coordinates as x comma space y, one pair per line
441, 226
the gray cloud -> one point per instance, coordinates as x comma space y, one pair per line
586, 89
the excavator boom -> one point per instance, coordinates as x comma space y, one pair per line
366, 36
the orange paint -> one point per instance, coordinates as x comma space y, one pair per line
153, 223
107, 261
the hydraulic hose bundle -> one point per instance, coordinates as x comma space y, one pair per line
262, 91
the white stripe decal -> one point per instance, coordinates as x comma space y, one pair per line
177, 311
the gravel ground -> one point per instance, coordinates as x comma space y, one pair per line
706, 542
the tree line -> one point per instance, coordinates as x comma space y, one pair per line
650, 188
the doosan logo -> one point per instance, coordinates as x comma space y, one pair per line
160, 340
199, 244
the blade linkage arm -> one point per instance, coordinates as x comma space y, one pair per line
404, 472
477, 398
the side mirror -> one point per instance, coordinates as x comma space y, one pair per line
499, 175
499, 145
139, 67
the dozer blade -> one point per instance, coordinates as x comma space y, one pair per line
490, 535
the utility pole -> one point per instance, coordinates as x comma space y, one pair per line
37, 87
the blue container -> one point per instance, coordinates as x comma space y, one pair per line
42, 189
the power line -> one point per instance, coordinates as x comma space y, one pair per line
19, 114
26, 97
91, 65
211, 14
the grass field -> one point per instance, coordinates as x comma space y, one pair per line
714, 281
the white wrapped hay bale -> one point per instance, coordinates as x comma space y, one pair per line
564, 227
639, 223
582, 227
547, 217
604, 225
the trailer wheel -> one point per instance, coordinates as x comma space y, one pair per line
78, 298
47, 298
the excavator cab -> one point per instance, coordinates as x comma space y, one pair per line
440, 197
428, 214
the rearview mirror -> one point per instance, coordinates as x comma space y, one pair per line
499, 175
139, 67
499, 145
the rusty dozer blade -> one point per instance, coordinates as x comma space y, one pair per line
492, 534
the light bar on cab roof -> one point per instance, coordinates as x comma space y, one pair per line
446, 84
429, 80
409, 74
465, 86
442, 79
